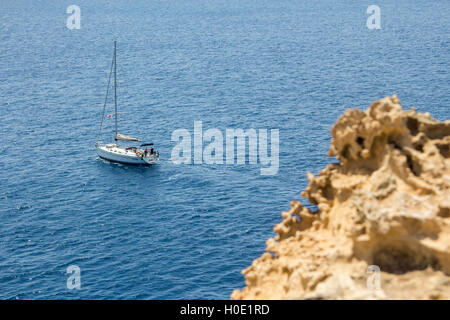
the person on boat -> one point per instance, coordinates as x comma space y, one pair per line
146, 151
151, 151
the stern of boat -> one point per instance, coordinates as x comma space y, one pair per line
152, 158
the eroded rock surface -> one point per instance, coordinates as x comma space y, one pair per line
386, 203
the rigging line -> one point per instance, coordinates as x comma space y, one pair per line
106, 99
115, 86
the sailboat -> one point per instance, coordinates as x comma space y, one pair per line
132, 155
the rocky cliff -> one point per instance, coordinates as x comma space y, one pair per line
382, 225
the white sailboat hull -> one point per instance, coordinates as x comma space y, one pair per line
121, 155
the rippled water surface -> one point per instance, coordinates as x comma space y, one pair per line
183, 232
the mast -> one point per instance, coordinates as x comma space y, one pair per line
115, 89
106, 100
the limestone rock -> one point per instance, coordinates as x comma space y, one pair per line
385, 204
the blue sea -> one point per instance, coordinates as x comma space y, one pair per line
183, 231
